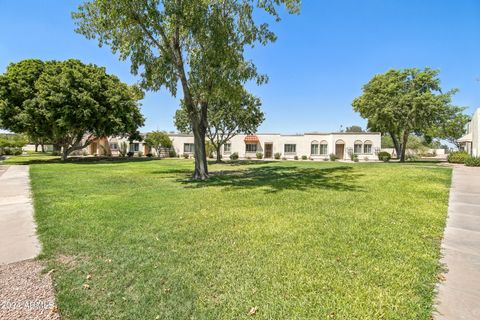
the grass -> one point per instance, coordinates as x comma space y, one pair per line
297, 240
30, 157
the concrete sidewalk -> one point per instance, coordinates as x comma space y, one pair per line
18, 240
459, 296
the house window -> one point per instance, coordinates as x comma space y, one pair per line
134, 147
290, 148
227, 147
314, 149
367, 147
323, 149
188, 147
357, 147
251, 147
113, 146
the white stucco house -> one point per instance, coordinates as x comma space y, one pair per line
316, 146
470, 142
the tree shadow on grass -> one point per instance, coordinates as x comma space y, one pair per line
273, 179
80, 160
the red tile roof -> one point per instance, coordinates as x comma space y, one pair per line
251, 138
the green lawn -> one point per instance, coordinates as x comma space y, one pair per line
298, 240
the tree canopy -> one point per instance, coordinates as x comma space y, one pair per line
401, 102
67, 102
158, 140
226, 119
199, 44
354, 128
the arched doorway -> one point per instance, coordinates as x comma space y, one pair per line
340, 149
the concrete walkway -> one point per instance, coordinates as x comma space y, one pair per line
459, 296
18, 240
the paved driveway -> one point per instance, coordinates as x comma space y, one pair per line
459, 296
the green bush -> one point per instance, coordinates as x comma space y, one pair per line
354, 157
130, 154
149, 154
333, 157
384, 156
234, 156
304, 157
412, 157
259, 155
295, 158
277, 155
172, 153
458, 157
472, 162
186, 156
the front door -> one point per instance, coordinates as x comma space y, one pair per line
339, 149
93, 148
268, 150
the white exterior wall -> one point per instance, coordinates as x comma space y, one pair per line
302, 142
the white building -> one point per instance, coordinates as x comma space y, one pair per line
471, 140
315, 146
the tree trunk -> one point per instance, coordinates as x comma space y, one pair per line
201, 169
396, 145
36, 147
404, 146
219, 154
43, 147
65, 153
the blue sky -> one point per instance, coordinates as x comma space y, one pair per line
317, 66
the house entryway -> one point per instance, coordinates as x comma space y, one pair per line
268, 150
340, 149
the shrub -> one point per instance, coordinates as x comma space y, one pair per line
172, 153
7, 151
458, 157
412, 157
304, 157
234, 156
149, 154
55, 153
17, 151
295, 158
84, 153
259, 155
186, 156
130, 154
284, 158
333, 157
472, 162
277, 155
384, 156
366, 158
122, 149
140, 154
354, 157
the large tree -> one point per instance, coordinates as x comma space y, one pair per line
452, 129
67, 102
401, 102
158, 140
199, 44
226, 118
